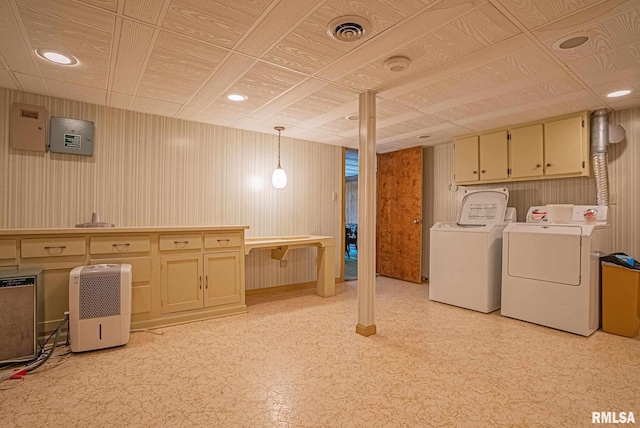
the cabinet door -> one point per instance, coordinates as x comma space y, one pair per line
493, 156
222, 278
525, 151
563, 146
465, 159
181, 282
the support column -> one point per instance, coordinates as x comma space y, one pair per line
367, 215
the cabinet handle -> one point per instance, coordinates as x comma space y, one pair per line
206, 283
483, 171
538, 166
121, 245
62, 247
200, 282
548, 165
475, 172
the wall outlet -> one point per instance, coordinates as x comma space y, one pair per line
334, 196
613, 199
283, 263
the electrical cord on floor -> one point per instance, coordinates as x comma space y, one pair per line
146, 330
42, 358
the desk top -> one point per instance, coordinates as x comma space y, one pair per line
271, 242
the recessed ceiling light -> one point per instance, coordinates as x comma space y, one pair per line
619, 93
570, 42
237, 97
423, 136
56, 57
352, 117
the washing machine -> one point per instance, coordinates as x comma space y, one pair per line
551, 272
465, 257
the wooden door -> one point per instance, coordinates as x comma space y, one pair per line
221, 278
494, 162
181, 282
563, 146
525, 151
399, 214
465, 159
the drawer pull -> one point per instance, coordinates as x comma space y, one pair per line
224, 240
181, 242
62, 247
121, 245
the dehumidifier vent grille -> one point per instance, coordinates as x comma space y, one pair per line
99, 296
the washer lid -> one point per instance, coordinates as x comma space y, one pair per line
482, 207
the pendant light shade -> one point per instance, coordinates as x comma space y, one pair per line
279, 177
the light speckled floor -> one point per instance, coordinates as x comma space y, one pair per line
295, 360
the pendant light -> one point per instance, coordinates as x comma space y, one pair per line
279, 177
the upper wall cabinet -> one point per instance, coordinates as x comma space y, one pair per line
563, 146
553, 148
465, 159
494, 163
526, 151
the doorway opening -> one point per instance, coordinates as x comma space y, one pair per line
351, 215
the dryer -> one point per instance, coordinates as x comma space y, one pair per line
465, 257
550, 272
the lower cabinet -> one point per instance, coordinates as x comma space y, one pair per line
221, 278
194, 281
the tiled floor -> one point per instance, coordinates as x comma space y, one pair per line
295, 360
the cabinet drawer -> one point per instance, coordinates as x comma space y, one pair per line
7, 249
119, 244
52, 247
222, 240
180, 242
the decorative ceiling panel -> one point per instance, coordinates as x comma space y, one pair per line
177, 67
474, 64
219, 22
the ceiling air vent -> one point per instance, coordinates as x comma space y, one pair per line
349, 28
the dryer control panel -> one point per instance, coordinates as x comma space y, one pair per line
581, 214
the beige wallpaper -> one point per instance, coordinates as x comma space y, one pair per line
624, 174
155, 171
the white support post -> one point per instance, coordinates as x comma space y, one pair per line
367, 215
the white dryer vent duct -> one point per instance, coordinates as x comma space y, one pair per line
599, 145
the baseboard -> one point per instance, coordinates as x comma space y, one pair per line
281, 288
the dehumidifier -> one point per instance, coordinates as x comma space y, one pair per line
99, 306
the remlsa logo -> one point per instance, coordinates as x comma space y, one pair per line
612, 418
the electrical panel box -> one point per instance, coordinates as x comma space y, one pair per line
28, 127
71, 136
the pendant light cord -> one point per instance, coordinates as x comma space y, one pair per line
279, 149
